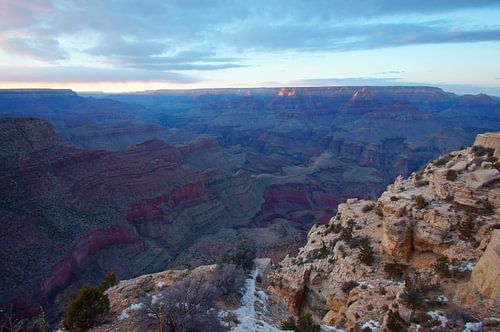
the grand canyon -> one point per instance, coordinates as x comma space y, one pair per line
140, 183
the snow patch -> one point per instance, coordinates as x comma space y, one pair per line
373, 325
473, 327
125, 314
438, 316
246, 314
328, 328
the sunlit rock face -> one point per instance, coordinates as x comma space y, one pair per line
415, 222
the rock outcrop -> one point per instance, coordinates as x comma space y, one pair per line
486, 275
440, 222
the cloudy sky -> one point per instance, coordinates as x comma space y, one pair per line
130, 45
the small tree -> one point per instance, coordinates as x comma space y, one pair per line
467, 227
89, 304
108, 282
242, 256
346, 234
303, 323
421, 202
394, 321
451, 175
442, 266
228, 281
348, 286
366, 252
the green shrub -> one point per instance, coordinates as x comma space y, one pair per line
394, 270
368, 207
421, 202
323, 252
451, 175
394, 321
366, 252
82, 313
348, 286
241, 256
467, 228
108, 282
346, 233
442, 266
421, 183
303, 323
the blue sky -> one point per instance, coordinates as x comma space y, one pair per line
131, 45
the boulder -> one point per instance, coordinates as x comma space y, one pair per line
486, 274
489, 140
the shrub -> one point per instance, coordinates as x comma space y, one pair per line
228, 280
451, 175
442, 267
303, 323
394, 321
394, 270
421, 183
89, 304
346, 233
334, 228
242, 256
323, 251
415, 288
187, 305
348, 286
442, 160
467, 227
368, 207
379, 211
479, 151
108, 282
421, 202
366, 253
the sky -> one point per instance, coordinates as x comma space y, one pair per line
130, 45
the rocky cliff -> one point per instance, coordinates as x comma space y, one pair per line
424, 255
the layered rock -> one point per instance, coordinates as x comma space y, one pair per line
415, 222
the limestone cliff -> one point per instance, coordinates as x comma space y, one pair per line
432, 230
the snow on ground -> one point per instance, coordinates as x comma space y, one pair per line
438, 316
473, 327
126, 312
247, 316
373, 325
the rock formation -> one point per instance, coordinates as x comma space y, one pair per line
441, 222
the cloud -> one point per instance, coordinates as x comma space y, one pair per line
151, 36
88, 74
44, 49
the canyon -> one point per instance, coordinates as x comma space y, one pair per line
139, 183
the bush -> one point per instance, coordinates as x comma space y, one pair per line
228, 281
346, 233
368, 207
348, 286
479, 151
108, 282
242, 256
421, 183
323, 252
415, 288
421, 202
82, 313
451, 175
442, 267
467, 228
303, 323
394, 270
366, 253
334, 228
187, 305
395, 322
